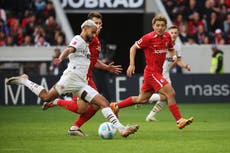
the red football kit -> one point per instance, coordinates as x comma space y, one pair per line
95, 48
155, 48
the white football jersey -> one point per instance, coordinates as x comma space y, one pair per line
79, 61
168, 61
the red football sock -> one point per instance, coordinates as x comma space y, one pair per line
125, 103
85, 116
175, 111
68, 104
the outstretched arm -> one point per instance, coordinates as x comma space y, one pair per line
117, 69
132, 54
63, 55
182, 64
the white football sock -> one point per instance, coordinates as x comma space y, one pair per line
35, 88
108, 113
156, 108
154, 97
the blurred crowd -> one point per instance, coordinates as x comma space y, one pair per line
201, 21
29, 23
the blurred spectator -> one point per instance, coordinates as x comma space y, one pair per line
59, 40
2, 38
227, 23
194, 22
3, 15
50, 27
200, 35
39, 5
41, 42
26, 17
14, 25
179, 21
218, 37
19, 38
31, 24
49, 10
20, 18
214, 23
10, 41
223, 13
57, 69
27, 41
206, 40
183, 34
217, 62
38, 31
191, 41
4, 27
208, 9
191, 7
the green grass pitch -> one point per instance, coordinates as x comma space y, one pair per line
28, 129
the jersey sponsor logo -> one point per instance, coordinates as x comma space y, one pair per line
160, 51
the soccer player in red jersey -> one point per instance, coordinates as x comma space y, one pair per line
77, 105
155, 45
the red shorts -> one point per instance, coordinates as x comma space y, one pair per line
153, 82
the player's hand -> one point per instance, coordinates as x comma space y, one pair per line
56, 61
117, 69
174, 58
130, 70
188, 67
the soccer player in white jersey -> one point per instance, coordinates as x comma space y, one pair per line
74, 78
168, 64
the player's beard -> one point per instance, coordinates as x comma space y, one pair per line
88, 38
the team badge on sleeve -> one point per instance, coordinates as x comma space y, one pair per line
74, 43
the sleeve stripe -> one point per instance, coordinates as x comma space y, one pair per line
137, 45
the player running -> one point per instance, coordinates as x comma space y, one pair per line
74, 78
168, 64
77, 105
155, 45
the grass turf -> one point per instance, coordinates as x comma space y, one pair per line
28, 129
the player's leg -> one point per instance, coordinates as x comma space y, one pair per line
160, 103
90, 95
142, 98
133, 100
108, 113
169, 92
83, 118
156, 108
38, 90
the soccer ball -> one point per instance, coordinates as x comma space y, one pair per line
106, 130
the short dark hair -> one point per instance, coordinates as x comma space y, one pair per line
94, 14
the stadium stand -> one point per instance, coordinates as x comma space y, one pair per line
201, 21
23, 22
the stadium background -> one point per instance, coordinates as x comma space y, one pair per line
123, 23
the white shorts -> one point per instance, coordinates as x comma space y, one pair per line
167, 77
72, 83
